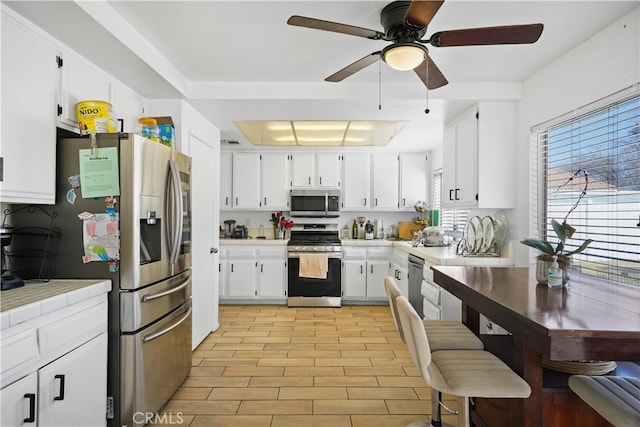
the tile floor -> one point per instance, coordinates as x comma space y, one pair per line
273, 366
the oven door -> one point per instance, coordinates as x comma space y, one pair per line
310, 292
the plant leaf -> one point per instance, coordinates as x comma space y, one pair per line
582, 247
541, 245
561, 232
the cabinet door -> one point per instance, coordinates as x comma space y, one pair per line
275, 181
29, 98
226, 180
356, 188
246, 180
385, 181
19, 402
414, 180
271, 278
354, 279
328, 170
80, 81
302, 170
127, 106
449, 167
376, 272
73, 389
243, 278
466, 160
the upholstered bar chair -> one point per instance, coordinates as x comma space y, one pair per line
443, 335
461, 373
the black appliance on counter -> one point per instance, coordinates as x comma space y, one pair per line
239, 232
314, 292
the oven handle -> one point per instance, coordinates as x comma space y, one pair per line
166, 330
328, 254
150, 297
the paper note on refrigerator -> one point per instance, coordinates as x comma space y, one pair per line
101, 237
99, 175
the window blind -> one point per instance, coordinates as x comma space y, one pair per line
587, 172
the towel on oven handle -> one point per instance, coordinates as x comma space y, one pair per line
314, 266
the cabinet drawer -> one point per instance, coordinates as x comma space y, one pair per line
241, 252
427, 273
430, 310
379, 253
271, 252
71, 331
430, 292
18, 350
352, 253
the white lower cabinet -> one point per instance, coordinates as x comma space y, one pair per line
363, 272
252, 272
54, 368
400, 270
68, 387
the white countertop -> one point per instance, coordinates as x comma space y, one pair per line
435, 255
37, 298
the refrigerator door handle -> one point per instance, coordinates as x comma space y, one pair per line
151, 337
151, 297
173, 192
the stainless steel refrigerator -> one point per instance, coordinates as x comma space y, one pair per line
124, 210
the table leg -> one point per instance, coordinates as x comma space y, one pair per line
528, 364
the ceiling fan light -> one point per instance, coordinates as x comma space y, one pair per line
403, 57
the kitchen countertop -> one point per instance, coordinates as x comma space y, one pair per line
36, 298
435, 255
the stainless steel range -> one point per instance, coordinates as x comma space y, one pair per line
318, 246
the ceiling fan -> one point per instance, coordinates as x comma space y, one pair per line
405, 23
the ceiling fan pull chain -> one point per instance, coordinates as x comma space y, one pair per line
426, 88
379, 85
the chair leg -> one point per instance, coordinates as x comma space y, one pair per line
463, 411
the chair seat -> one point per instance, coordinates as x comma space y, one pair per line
475, 373
451, 335
617, 399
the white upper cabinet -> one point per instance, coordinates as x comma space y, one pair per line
80, 81
128, 106
315, 170
29, 99
385, 181
226, 179
479, 158
275, 181
246, 180
415, 170
356, 173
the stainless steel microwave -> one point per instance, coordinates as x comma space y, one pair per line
315, 203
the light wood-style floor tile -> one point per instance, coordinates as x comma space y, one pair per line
275, 366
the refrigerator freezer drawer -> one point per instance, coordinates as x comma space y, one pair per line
155, 362
141, 307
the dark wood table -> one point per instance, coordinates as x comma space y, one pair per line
591, 319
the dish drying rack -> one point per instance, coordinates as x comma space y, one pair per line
483, 237
34, 247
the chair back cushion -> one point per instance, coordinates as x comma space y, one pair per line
415, 336
393, 292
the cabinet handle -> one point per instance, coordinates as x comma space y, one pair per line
261, 268
365, 202
457, 189
60, 395
32, 407
361, 271
376, 201
404, 202
371, 268
236, 201
265, 201
320, 180
219, 268
451, 194
226, 201
232, 268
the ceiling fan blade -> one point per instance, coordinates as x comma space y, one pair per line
335, 27
420, 12
436, 78
509, 34
354, 68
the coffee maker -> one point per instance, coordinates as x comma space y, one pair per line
9, 281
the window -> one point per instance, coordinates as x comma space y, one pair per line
588, 171
450, 219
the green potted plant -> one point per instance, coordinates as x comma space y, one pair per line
557, 253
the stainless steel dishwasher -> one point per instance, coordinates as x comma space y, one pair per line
415, 282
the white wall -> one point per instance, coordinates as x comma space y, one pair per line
604, 64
